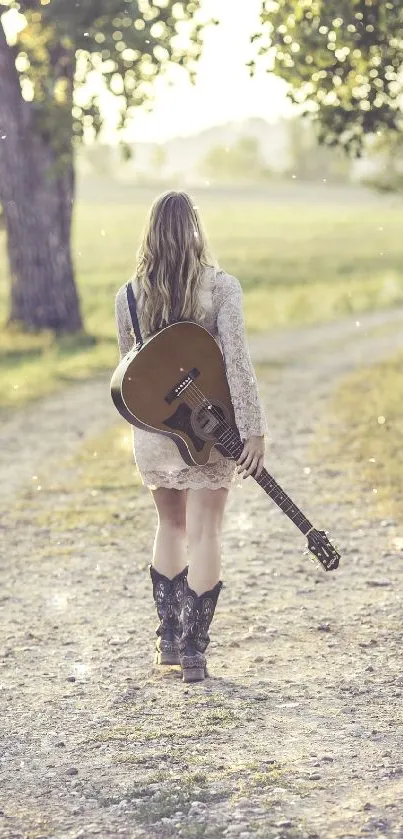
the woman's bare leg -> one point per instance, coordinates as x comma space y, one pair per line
170, 553
204, 517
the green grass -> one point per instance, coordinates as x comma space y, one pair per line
367, 426
298, 263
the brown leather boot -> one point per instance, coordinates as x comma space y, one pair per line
168, 596
197, 614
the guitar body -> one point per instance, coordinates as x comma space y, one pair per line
164, 386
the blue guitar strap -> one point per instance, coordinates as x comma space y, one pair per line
131, 301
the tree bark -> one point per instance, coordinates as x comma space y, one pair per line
37, 197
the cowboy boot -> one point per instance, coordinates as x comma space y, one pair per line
197, 614
168, 596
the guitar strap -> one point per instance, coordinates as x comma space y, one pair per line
131, 301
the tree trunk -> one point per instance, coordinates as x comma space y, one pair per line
37, 196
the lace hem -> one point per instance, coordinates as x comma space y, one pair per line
196, 477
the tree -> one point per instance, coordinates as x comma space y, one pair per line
312, 161
47, 105
158, 161
97, 158
386, 157
343, 61
241, 161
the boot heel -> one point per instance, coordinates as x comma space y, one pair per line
193, 674
162, 657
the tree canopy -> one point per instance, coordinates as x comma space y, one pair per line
343, 60
126, 42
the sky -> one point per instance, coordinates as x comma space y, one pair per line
224, 91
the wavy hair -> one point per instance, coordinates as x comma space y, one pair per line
171, 261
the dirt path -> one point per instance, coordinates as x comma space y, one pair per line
298, 733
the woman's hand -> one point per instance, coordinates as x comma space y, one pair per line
252, 457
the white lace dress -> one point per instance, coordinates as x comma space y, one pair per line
157, 457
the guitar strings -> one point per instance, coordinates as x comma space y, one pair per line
201, 400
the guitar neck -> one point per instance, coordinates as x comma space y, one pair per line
233, 444
267, 482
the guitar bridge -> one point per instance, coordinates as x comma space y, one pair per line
182, 385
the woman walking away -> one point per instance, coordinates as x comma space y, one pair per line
176, 279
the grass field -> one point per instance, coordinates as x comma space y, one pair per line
299, 262
366, 412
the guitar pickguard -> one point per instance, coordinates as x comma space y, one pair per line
181, 420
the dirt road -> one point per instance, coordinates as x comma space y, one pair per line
298, 732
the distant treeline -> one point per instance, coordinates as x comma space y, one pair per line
252, 152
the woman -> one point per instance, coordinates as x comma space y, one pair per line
176, 279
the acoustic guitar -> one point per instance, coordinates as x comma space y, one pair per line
175, 384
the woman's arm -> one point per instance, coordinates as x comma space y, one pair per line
249, 413
123, 323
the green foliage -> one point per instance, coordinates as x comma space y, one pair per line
126, 42
387, 154
159, 159
342, 60
312, 160
242, 161
97, 158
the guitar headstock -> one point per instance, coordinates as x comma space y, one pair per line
326, 553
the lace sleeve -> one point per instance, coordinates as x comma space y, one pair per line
249, 412
123, 323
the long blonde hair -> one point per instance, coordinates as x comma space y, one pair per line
171, 262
